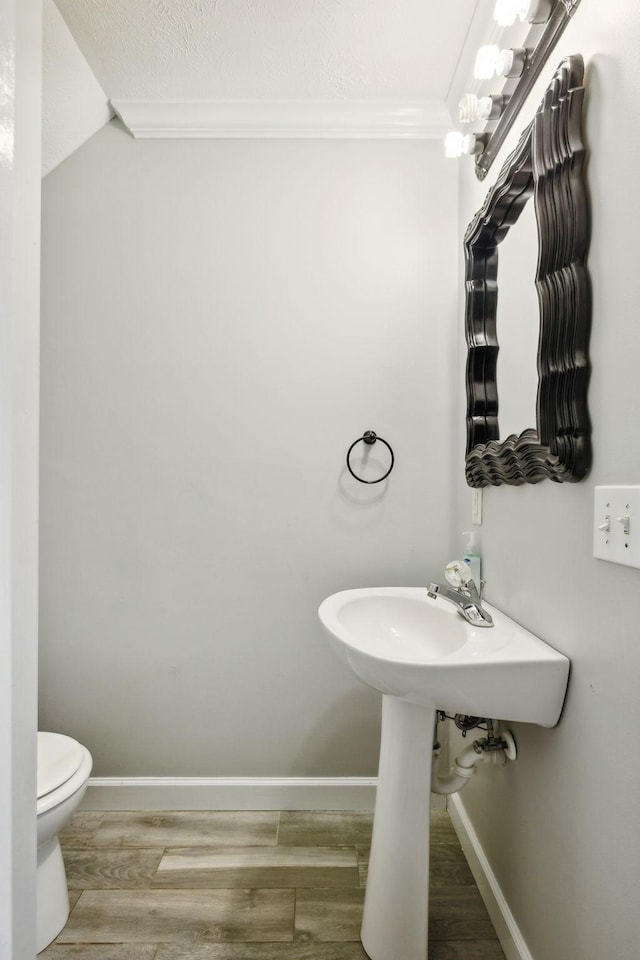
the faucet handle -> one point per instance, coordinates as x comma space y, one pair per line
458, 573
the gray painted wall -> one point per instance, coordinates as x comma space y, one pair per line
221, 319
561, 827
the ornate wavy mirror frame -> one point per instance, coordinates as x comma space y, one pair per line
548, 165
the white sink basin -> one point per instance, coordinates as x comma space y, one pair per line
405, 644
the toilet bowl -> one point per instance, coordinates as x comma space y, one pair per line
64, 766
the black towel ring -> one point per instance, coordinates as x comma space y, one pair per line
369, 437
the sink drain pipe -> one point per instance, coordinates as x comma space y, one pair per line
496, 748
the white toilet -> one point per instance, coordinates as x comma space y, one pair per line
64, 766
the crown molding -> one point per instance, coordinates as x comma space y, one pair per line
285, 119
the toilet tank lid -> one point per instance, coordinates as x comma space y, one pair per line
58, 759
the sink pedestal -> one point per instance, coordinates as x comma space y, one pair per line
396, 906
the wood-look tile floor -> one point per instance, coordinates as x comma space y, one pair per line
246, 886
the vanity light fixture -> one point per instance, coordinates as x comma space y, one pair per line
516, 67
473, 108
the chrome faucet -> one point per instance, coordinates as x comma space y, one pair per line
462, 593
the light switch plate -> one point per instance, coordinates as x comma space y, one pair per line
616, 524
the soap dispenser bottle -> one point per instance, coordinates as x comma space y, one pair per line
472, 557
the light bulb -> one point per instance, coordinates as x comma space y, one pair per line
473, 145
535, 11
453, 144
510, 63
468, 108
526, 9
506, 11
458, 144
473, 108
486, 59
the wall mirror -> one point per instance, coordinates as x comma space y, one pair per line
546, 170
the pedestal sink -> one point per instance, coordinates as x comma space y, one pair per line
423, 656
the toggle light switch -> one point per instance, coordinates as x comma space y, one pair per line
625, 521
618, 542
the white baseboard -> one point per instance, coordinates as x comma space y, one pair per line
234, 793
230, 793
507, 929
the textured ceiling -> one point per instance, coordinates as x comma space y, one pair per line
273, 49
